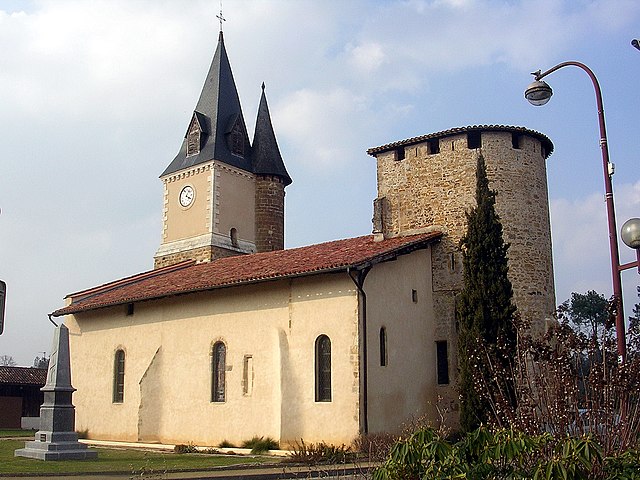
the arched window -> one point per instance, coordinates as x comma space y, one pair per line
323, 369
219, 360
233, 235
118, 377
383, 347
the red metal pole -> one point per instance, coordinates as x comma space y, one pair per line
611, 216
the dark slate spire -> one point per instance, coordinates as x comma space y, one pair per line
266, 158
224, 133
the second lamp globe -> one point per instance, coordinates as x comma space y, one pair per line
538, 93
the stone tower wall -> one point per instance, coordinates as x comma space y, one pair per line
269, 213
424, 190
199, 255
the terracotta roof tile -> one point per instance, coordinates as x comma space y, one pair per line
224, 272
23, 376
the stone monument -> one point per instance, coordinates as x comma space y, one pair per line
57, 439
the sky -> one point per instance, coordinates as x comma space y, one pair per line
96, 96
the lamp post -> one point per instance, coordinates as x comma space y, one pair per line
630, 234
539, 93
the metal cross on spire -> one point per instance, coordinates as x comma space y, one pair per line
220, 17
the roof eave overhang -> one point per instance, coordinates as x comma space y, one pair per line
461, 130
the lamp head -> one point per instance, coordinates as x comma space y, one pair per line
630, 233
636, 43
538, 93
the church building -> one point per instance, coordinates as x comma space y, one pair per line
231, 336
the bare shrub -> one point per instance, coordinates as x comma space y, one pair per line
568, 383
374, 446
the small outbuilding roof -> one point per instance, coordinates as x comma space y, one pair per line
22, 376
189, 277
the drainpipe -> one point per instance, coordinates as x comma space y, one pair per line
358, 276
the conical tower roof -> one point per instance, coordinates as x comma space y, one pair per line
266, 158
219, 114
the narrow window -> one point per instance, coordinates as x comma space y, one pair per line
474, 140
414, 296
442, 362
323, 369
383, 347
400, 153
118, 377
129, 309
247, 375
236, 139
433, 146
219, 358
233, 234
516, 140
193, 137
193, 143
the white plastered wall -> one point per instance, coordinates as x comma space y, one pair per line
168, 347
406, 388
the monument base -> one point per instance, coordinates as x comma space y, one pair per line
56, 446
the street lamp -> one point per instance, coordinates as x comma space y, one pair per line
539, 93
630, 234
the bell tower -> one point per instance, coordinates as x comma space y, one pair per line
222, 196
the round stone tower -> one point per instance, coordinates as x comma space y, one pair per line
430, 181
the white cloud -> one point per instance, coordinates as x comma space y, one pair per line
87, 53
581, 243
321, 125
366, 57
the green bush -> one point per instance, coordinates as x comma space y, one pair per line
260, 445
182, 448
504, 453
226, 444
624, 466
210, 451
319, 453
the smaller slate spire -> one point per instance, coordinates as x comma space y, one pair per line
266, 158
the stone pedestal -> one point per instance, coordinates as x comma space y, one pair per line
57, 439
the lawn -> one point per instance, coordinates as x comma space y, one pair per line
16, 433
112, 460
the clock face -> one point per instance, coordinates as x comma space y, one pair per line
186, 196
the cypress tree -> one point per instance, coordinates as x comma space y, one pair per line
484, 310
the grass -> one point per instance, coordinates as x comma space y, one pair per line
111, 460
16, 433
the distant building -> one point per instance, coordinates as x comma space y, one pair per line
20, 396
231, 336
